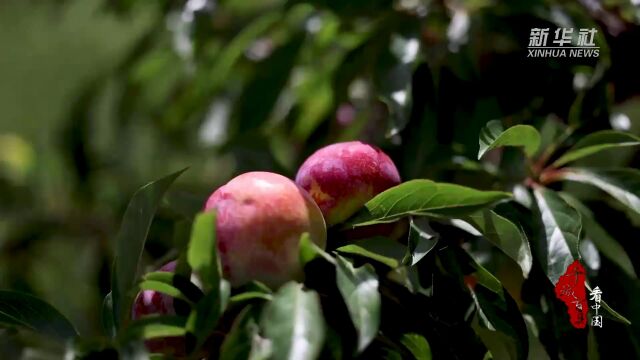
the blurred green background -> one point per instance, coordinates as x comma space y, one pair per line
98, 97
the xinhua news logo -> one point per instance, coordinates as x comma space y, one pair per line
562, 44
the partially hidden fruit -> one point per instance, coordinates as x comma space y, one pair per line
150, 302
342, 177
260, 217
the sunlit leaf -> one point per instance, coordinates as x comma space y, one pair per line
622, 184
202, 253
359, 289
561, 233
422, 239
424, 197
493, 135
505, 235
293, 323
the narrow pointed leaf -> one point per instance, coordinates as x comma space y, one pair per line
155, 327
425, 197
293, 323
29, 312
622, 184
505, 235
202, 253
172, 284
359, 289
596, 142
561, 233
380, 249
161, 287
130, 242
494, 135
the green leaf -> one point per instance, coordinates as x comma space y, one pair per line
28, 312
254, 290
107, 316
622, 184
161, 287
417, 345
612, 313
380, 249
505, 235
202, 254
155, 326
161, 276
537, 351
596, 142
409, 277
422, 239
359, 289
238, 342
130, 242
176, 285
493, 135
498, 320
204, 317
561, 235
425, 197
309, 250
251, 295
603, 241
293, 323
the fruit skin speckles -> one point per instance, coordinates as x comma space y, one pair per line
342, 177
260, 217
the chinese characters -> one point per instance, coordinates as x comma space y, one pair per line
596, 297
565, 42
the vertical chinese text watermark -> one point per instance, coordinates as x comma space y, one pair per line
596, 297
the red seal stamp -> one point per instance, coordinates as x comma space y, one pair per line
571, 290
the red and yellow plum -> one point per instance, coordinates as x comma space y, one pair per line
260, 218
342, 177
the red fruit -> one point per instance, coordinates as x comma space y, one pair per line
149, 302
260, 218
342, 177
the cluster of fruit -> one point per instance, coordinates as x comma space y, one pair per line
260, 217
